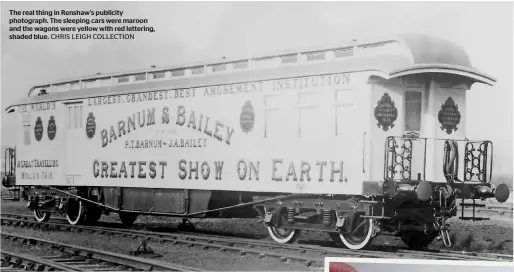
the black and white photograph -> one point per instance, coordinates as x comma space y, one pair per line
256, 136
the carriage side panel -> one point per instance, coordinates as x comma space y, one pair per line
40, 146
287, 135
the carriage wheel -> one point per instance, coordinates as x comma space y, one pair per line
74, 211
42, 216
93, 214
283, 236
128, 218
417, 239
362, 238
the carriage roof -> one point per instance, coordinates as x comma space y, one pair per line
387, 58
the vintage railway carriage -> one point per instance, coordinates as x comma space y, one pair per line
354, 140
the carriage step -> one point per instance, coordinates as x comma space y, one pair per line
474, 218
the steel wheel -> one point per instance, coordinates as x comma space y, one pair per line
42, 216
361, 237
282, 235
74, 211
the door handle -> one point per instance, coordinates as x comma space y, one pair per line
364, 152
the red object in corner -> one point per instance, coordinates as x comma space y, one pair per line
340, 267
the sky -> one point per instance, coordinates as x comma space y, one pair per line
194, 31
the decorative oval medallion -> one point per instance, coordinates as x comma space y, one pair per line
52, 128
386, 112
449, 116
38, 129
247, 119
90, 126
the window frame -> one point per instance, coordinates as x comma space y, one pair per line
269, 108
304, 107
421, 110
342, 104
74, 115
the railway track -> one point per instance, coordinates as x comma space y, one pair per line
76, 258
311, 255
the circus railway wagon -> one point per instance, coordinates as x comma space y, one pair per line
354, 140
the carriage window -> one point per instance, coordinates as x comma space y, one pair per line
307, 122
178, 73
123, 79
197, 70
80, 116
272, 116
343, 111
289, 59
241, 65
159, 75
26, 134
219, 68
316, 56
75, 116
70, 117
413, 111
140, 77
344, 52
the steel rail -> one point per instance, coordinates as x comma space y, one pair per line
103, 256
28, 262
207, 243
242, 244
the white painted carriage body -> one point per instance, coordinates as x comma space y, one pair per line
295, 122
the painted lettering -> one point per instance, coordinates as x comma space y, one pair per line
305, 168
206, 170
182, 174
104, 137
181, 119
321, 164
165, 115
44, 106
275, 169
291, 172
37, 163
242, 169
333, 171
113, 169
218, 166
162, 164
118, 169
214, 129
96, 172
